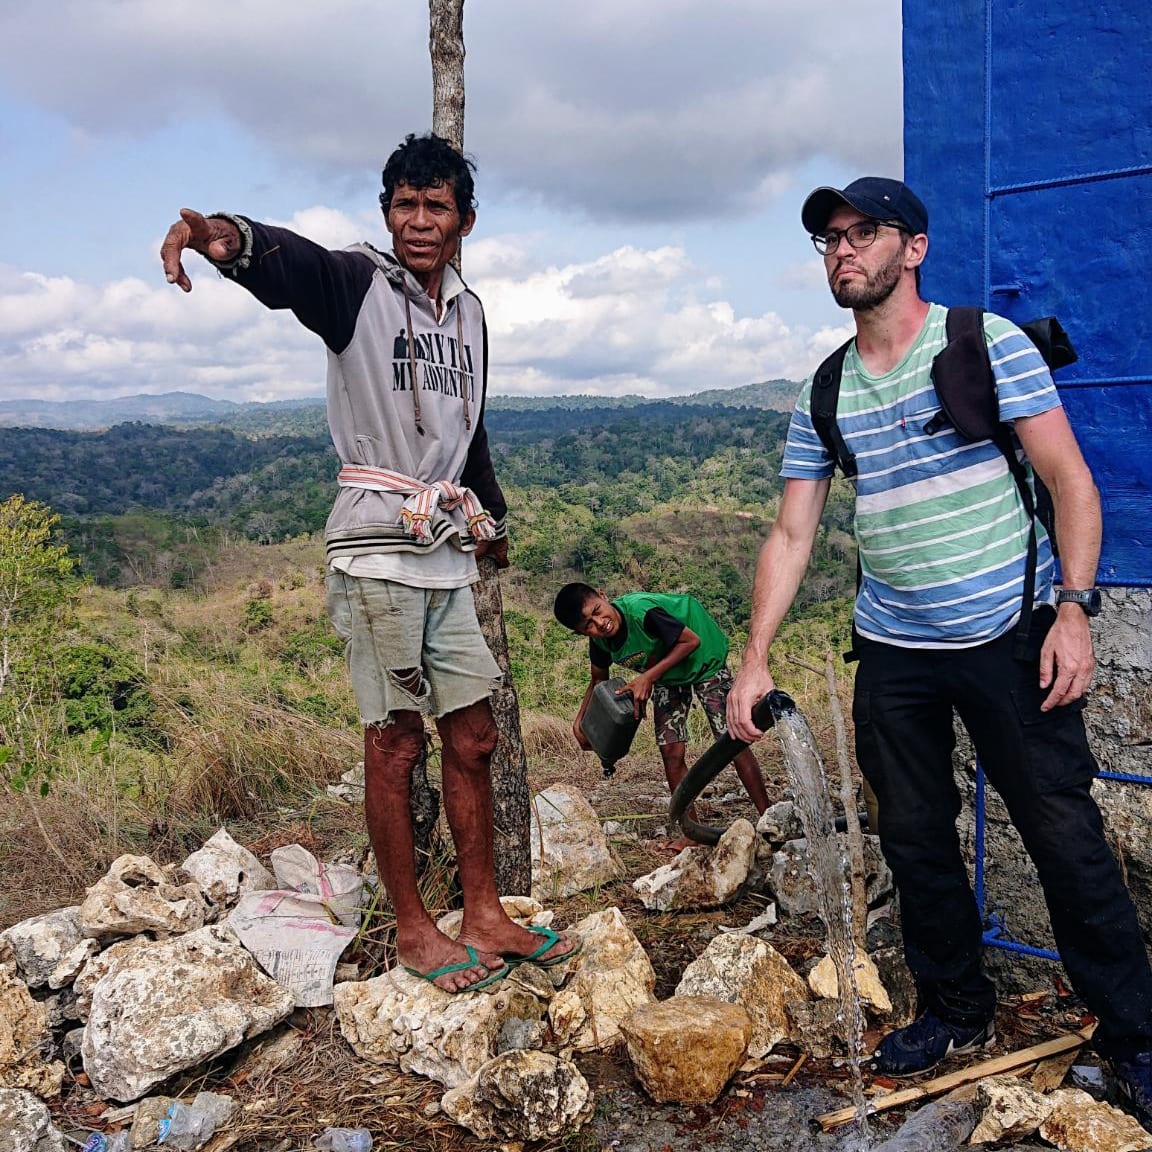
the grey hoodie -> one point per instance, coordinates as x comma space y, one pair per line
355, 301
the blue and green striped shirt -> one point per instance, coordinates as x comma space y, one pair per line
943, 536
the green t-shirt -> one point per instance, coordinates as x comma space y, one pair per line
638, 648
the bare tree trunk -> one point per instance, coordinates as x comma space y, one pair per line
424, 800
446, 44
509, 762
511, 816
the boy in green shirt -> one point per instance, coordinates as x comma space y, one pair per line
677, 649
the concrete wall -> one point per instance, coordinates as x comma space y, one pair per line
1119, 720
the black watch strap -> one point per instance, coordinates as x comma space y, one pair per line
1087, 598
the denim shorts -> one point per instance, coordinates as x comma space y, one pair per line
389, 628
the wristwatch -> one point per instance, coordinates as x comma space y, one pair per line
1087, 598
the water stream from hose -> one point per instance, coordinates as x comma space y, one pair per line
828, 863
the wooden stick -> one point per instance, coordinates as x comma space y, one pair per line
941, 1084
1050, 1073
794, 1069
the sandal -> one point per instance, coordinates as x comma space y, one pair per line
551, 939
473, 961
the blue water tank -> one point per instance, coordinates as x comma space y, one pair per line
1028, 134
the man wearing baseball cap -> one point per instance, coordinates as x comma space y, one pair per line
943, 539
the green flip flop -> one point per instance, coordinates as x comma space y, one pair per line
473, 961
551, 939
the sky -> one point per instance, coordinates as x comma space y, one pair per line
640, 170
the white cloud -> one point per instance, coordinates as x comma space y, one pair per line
64, 339
805, 275
333, 229
631, 320
652, 109
649, 327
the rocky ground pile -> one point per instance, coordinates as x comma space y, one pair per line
696, 1014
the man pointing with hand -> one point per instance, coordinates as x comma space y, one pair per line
418, 501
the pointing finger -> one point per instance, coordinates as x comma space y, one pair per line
198, 227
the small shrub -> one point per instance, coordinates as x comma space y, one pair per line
257, 615
312, 648
102, 688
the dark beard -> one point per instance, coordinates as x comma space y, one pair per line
863, 297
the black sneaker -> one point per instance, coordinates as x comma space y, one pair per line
921, 1045
1134, 1080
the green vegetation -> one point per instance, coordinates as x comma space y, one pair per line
165, 658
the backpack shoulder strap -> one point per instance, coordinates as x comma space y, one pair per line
825, 396
963, 379
964, 321
966, 386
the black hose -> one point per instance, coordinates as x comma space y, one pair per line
765, 713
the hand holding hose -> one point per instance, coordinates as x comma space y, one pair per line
752, 684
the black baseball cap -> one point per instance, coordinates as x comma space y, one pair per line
875, 196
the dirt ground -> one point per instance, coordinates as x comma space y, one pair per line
772, 1109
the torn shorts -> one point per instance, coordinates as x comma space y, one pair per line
389, 628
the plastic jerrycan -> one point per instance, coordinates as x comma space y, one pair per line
608, 723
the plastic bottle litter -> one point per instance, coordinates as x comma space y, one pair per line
190, 1126
344, 1140
114, 1142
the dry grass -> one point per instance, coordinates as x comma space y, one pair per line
326, 1084
547, 739
245, 745
232, 757
53, 847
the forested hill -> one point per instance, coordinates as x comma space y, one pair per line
218, 474
306, 415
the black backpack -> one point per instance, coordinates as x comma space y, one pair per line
964, 382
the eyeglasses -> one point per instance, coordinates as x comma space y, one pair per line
862, 234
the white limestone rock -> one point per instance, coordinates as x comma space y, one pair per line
174, 1006
743, 970
825, 983
702, 877
401, 1020
523, 909
521, 1095
792, 882
610, 978
1078, 1123
780, 822
1010, 1109
104, 963
39, 944
351, 786
226, 870
72, 963
24, 1036
26, 1124
135, 896
570, 852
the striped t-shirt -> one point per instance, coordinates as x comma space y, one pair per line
942, 533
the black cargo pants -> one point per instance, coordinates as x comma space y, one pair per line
1041, 765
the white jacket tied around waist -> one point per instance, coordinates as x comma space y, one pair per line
424, 502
